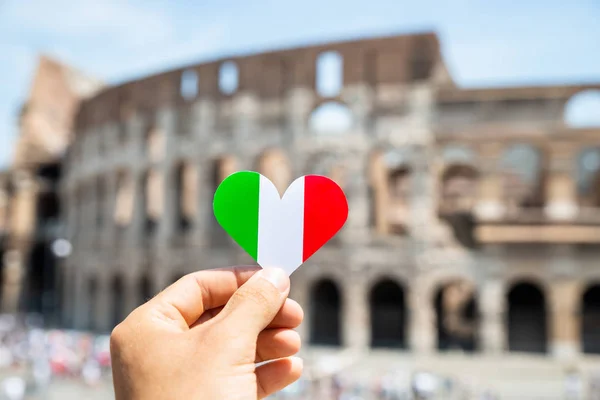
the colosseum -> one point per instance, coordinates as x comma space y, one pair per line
474, 219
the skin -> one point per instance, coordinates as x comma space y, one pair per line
201, 337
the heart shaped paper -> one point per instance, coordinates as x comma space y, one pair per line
280, 232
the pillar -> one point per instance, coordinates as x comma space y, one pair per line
560, 189
168, 124
422, 330
12, 281
378, 183
167, 226
492, 306
355, 313
23, 206
489, 203
564, 321
246, 112
299, 104
300, 292
356, 188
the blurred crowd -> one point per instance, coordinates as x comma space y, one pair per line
30, 356
391, 386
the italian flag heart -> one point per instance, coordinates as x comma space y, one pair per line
280, 232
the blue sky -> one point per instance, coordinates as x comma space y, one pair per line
485, 42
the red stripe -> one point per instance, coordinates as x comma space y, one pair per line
325, 211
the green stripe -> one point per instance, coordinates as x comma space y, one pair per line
236, 208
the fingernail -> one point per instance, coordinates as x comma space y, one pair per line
277, 277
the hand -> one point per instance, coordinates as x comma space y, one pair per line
201, 337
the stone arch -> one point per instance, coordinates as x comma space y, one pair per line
583, 109
458, 154
188, 85
458, 198
222, 167
522, 170
118, 300
457, 318
459, 187
331, 118
152, 199
186, 194
388, 314
527, 318
275, 165
391, 183
588, 177
329, 77
590, 320
326, 313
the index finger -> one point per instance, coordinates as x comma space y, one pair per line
197, 292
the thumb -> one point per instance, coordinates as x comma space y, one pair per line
254, 305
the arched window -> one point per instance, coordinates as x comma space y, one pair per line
275, 165
391, 181
458, 197
456, 317
153, 199
523, 181
583, 109
325, 326
330, 74
399, 188
588, 177
459, 188
186, 189
590, 320
118, 298
155, 144
331, 118
124, 201
457, 154
189, 84
221, 169
527, 319
388, 315
228, 77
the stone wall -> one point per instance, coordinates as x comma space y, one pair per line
391, 161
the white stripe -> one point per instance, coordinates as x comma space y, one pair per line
280, 225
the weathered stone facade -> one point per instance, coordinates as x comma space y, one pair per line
451, 241
29, 209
